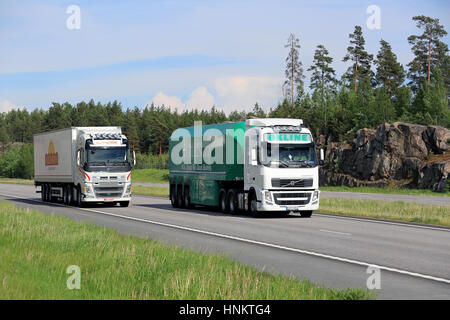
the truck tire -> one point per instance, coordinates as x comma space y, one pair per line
69, 195
78, 198
253, 205
232, 201
173, 197
124, 203
45, 186
66, 195
179, 198
187, 199
42, 193
223, 204
306, 214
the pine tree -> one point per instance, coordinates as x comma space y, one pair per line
361, 59
294, 70
323, 76
429, 52
390, 73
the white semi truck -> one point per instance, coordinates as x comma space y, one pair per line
83, 165
260, 165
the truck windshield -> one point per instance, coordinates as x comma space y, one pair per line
107, 155
291, 155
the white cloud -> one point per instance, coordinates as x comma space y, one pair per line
163, 99
7, 106
238, 93
199, 99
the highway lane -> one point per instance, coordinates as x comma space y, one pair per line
318, 248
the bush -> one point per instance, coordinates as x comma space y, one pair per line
17, 162
152, 161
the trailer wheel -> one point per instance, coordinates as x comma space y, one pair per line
173, 198
223, 204
46, 193
42, 193
232, 201
187, 199
253, 205
69, 193
179, 198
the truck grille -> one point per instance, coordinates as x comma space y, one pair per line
292, 183
291, 199
101, 191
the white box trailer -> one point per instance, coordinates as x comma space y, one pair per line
83, 164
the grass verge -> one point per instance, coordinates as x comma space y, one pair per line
150, 191
38, 248
16, 181
396, 211
150, 175
413, 192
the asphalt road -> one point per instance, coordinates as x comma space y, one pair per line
414, 261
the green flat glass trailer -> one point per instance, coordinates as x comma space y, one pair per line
260, 165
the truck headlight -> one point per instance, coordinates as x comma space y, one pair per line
86, 188
128, 190
315, 195
267, 196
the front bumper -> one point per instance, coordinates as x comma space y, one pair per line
294, 200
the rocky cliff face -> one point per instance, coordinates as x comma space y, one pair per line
409, 154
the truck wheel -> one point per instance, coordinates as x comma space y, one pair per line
179, 198
69, 195
232, 203
187, 199
223, 204
173, 198
42, 192
65, 195
46, 192
306, 214
124, 203
253, 205
78, 199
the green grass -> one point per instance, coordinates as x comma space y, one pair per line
17, 181
150, 175
150, 191
37, 248
414, 192
396, 211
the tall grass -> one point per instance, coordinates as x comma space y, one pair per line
36, 250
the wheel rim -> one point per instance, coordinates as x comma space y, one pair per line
253, 205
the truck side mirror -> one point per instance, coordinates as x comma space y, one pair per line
134, 158
321, 161
78, 157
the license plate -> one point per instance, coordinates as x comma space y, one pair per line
291, 208
108, 200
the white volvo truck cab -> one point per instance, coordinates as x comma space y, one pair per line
281, 172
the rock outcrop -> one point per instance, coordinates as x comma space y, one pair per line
413, 155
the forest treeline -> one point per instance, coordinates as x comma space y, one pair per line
375, 89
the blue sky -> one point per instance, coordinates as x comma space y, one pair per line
186, 54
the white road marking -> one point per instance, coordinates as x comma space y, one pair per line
311, 253
337, 232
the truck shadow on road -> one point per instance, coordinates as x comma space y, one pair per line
207, 211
